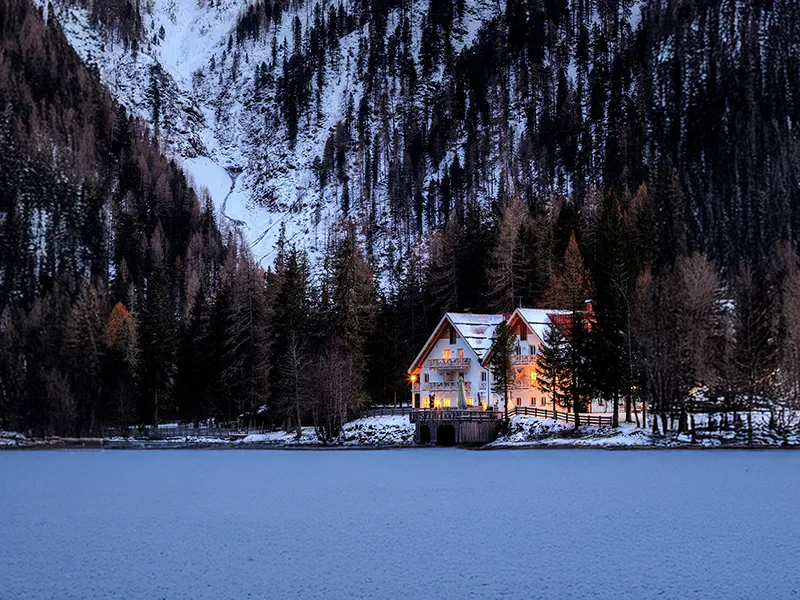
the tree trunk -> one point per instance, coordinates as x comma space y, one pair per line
505, 407
615, 417
628, 410
644, 413
155, 413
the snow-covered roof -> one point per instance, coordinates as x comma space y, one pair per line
476, 329
538, 319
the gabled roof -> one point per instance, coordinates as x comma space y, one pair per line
538, 319
476, 329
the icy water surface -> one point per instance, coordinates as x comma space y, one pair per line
399, 524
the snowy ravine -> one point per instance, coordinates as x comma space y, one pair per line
230, 140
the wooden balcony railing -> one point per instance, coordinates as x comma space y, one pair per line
523, 360
449, 364
445, 386
524, 384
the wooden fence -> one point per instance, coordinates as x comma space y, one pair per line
180, 431
387, 411
542, 413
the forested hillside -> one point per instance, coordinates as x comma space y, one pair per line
122, 302
393, 160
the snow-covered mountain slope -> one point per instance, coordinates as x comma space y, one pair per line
196, 84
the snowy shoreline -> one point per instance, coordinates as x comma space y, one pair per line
396, 432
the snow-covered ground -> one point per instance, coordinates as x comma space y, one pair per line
373, 431
530, 431
12, 439
392, 524
524, 431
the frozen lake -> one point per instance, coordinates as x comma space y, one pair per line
399, 524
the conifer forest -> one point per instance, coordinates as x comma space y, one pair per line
643, 155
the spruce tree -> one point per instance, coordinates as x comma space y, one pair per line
553, 374
504, 345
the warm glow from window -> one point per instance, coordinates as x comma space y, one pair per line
446, 403
446, 353
533, 377
426, 402
470, 402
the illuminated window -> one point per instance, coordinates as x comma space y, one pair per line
533, 377
460, 353
470, 402
446, 353
446, 403
426, 402
519, 401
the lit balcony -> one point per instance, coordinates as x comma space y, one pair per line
446, 386
449, 364
523, 360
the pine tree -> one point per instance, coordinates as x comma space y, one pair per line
553, 374
504, 345
247, 340
159, 345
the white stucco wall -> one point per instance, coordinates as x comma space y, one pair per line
471, 376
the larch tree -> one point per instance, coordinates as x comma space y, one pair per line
122, 362
508, 271
570, 290
85, 342
443, 265
789, 370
